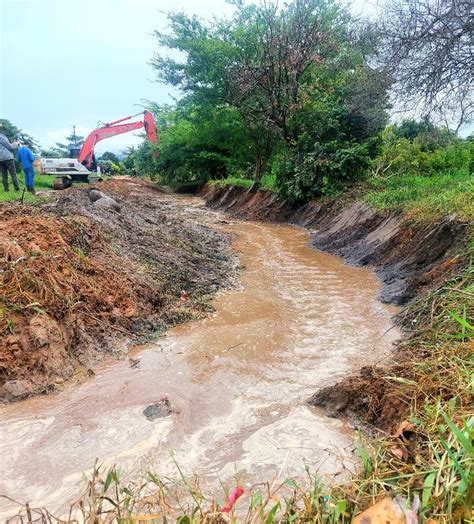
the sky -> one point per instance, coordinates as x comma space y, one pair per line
82, 62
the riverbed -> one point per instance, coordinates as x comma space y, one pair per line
237, 381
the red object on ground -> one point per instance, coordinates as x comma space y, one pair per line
235, 494
112, 129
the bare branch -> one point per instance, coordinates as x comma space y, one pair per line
427, 47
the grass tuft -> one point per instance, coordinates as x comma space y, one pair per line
268, 182
427, 196
42, 183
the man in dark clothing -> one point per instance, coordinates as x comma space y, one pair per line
26, 158
7, 164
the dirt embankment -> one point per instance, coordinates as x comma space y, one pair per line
409, 257
82, 279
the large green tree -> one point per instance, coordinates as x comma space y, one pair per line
259, 62
73, 141
297, 77
196, 142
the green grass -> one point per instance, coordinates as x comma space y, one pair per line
427, 196
42, 183
233, 181
267, 183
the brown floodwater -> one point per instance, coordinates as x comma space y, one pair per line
238, 381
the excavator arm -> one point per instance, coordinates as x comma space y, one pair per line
115, 128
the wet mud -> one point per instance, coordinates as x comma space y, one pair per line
82, 281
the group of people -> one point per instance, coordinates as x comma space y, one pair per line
25, 157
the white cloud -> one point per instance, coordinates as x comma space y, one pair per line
60, 134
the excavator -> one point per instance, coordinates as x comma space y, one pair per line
78, 167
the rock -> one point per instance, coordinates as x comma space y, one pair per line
335, 400
102, 200
108, 202
13, 390
95, 194
159, 409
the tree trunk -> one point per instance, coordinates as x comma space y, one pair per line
262, 154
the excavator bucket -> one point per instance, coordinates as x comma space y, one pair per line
150, 127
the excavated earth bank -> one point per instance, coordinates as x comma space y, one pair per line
409, 257
83, 280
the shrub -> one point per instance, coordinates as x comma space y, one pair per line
323, 172
423, 155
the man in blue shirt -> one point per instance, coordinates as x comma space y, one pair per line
26, 158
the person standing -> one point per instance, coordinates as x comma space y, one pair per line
7, 164
26, 158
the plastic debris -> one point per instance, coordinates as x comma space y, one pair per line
390, 511
235, 494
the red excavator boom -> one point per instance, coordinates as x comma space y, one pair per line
115, 128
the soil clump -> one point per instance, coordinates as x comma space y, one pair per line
82, 281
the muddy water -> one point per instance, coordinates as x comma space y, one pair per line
238, 381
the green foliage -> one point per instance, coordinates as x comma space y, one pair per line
115, 169
429, 196
322, 172
267, 182
310, 115
411, 128
112, 157
105, 166
197, 143
141, 160
423, 169
54, 152
427, 153
256, 105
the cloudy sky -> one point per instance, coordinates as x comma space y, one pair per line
81, 62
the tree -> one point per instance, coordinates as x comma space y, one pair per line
112, 157
338, 132
427, 47
73, 142
297, 80
13, 133
259, 62
197, 142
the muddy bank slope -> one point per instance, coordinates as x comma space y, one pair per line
410, 258
82, 280
407, 256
